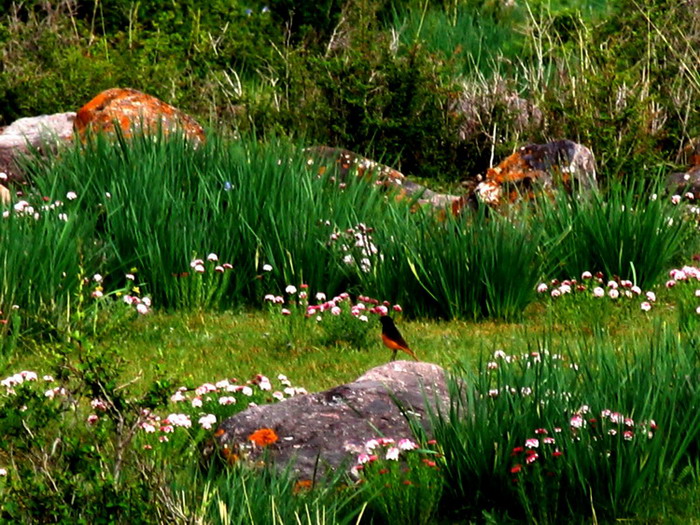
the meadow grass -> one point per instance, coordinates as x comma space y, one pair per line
138, 314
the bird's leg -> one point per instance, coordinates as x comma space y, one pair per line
393, 355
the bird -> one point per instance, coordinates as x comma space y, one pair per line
392, 338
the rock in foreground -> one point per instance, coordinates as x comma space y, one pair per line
328, 429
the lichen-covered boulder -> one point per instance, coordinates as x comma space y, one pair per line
131, 111
319, 432
539, 168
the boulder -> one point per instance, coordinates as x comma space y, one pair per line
684, 183
318, 433
43, 132
347, 162
539, 168
133, 110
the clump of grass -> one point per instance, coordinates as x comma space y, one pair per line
627, 232
591, 419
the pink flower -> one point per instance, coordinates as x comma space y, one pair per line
397, 308
675, 199
285, 311
586, 275
532, 443
92, 419
576, 421
598, 292
646, 306
531, 458
363, 458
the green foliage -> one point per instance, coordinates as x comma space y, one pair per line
631, 233
402, 486
595, 421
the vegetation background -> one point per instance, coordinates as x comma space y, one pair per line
438, 88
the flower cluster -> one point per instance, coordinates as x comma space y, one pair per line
544, 448
381, 449
595, 285
335, 306
198, 265
356, 246
25, 208
208, 403
685, 277
526, 361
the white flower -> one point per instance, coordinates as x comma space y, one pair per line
392, 454
291, 289
651, 296
207, 421
97, 278
227, 400
646, 306
71, 195
142, 309
613, 293
178, 397
406, 444
212, 257
267, 268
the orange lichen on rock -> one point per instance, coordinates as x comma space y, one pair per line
539, 169
263, 437
133, 110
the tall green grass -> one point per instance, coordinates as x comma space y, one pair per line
593, 467
152, 206
631, 232
469, 268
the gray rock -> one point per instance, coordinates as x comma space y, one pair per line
43, 132
326, 430
683, 183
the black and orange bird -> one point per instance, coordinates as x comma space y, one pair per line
392, 338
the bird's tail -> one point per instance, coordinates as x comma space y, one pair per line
410, 352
